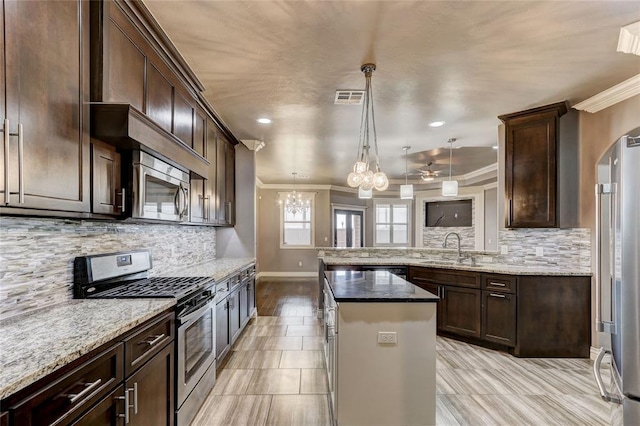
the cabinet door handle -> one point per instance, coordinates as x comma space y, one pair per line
154, 340
20, 164
443, 292
497, 284
5, 129
510, 213
135, 398
126, 406
501, 296
122, 193
88, 388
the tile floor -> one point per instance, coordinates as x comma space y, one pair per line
274, 375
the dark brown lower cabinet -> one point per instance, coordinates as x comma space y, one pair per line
460, 311
151, 388
107, 412
499, 318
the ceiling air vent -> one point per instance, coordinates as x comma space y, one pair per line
349, 97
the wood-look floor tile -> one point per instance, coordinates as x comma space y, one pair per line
254, 359
465, 410
312, 343
314, 320
314, 381
444, 417
588, 409
298, 410
249, 343
284, 343
266, 330
237, 410
304, 330
290, 321
275, 381
232, 382
302, 359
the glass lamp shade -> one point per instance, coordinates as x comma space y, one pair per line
360, 167
367, 180
365, 193
450, 188
380, 181
406, 192
354, 179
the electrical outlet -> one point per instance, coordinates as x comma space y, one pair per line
539, 251
504, 249
387, 337
173, 251
364, 254
204, 246
300, 263
326, 239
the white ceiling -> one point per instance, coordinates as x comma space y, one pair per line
463, 62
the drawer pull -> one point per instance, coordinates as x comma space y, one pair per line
88, 388
126, 407
497, 284
502, 296
154, 340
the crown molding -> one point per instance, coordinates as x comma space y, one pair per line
253, 144
611, 96
289, 186
629, 39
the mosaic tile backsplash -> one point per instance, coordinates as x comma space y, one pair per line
565, 249
36, 255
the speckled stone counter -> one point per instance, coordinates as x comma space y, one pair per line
466, 266
218, 269
36, 344
378, 286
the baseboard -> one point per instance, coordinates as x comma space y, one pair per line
313, 274
593, 353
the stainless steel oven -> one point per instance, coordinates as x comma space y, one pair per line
160, 190
196, 357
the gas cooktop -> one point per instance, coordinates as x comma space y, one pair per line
153, 287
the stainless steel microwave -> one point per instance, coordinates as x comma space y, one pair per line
160, 190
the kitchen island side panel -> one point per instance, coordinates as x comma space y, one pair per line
386, 384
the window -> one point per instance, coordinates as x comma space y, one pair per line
297, 230
391, 223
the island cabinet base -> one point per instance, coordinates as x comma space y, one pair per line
386, 383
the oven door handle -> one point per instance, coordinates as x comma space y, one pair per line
196, 314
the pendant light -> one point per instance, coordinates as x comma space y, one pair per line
366, 173
406, 190
450, 187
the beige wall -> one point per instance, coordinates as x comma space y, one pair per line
597, 132
271, 258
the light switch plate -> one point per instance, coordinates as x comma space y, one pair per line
539, 251
504, 249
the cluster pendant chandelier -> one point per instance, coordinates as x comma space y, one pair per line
366, 174
294, 203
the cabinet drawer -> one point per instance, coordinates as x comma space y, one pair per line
444, 276
63, 400
501, 283
143, 345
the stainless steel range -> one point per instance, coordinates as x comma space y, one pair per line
126, 275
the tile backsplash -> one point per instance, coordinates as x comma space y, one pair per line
36, 255
562, 249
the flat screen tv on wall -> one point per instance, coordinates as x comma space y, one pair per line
454, 213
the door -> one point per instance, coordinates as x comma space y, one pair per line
151, 389
107, 412
234, 315
47, 101
499, 317
460, 311
348, 228
107, 194
222, 329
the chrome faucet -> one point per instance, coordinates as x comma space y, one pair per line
444, 244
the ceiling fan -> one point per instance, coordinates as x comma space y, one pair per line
429, 174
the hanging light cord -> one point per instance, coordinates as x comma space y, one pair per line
450, 156
406, 173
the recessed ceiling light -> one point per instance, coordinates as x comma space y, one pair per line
264, 120
436, 124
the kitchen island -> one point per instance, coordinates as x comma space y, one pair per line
380, 345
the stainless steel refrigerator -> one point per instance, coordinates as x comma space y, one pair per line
617, 274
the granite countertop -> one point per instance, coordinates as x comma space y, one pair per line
375, 286
466, 266
218, 268
37, 343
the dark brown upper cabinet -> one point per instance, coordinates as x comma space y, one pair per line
45, 86
532, 151
225, 184
106, 189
